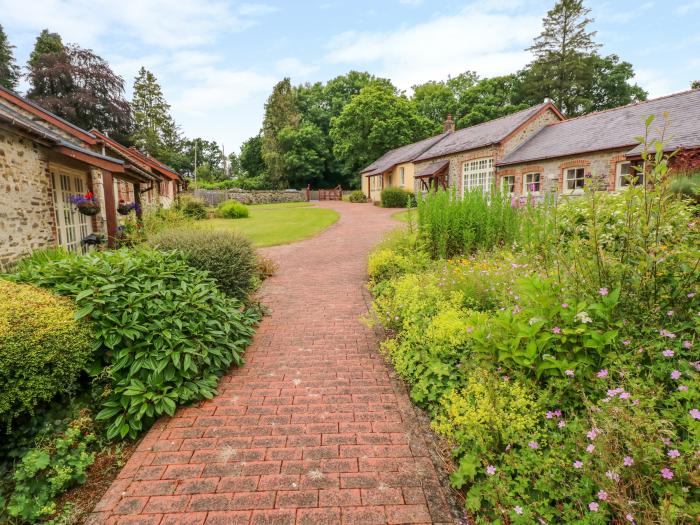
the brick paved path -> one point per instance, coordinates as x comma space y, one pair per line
311, 430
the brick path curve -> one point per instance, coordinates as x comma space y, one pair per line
313, 429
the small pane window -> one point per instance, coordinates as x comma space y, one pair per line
574, 179
508, 184
532, 182
627, 175
401, 176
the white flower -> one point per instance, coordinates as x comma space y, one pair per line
583, 317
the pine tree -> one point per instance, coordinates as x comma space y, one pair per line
155, 131
9, 71
46, 43
560, 53
280, 113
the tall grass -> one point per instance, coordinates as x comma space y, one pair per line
452, 225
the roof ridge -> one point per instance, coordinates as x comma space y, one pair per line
503, 116
631, 104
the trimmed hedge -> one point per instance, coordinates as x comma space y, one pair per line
358, 196
395, 197
42, 348
226, 255
233, 210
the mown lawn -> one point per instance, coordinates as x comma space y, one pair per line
272, 224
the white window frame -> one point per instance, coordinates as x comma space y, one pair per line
527, 183
575, 178
506, 188
402, 176
477, 174
620, 183
71, 225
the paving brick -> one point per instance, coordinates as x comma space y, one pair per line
311, 430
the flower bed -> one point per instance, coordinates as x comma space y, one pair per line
561, 359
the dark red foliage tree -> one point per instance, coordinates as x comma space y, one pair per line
79, 86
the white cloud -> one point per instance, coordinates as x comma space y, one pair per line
654, 81
487, 40
256, 9
293, 67
687, 7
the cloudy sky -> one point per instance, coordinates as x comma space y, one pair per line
217, 60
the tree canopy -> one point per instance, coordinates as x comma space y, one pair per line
9, 70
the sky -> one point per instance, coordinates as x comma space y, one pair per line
217, 60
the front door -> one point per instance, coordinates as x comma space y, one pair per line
71, 225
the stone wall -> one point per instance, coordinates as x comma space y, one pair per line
26, 204
214, 197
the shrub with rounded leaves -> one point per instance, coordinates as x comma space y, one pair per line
357, 196
395, 197
162, 331
226, 255
42, 348
191, 207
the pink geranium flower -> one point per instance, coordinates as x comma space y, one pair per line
676, 374
694, 413
569, 373
628, 461
668, 353
673, 453
603, 291
602, 495
593, 506
578, 464
602, 373
556, 330
490, 470
518, 509
666, 473
533, 445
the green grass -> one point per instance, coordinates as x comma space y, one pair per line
272, 224
406, 215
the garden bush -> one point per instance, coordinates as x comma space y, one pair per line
687, 186
557, 352
162, 332
358, 196
232, 209
43, 348
228, 256
395, 198
191, 207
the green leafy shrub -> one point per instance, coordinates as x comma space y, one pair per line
395, 197
357, 196
191, 207
226, 255
48, 470
158, 219
687, 187
233, 210
162, 331
42, 347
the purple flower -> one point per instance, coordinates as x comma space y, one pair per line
561, 424
506, 378
665, 333
603, 291
533, 445
602, 495
564, 305
682, 388
629, 518
676, 374
625, 395
590, 448
569, 373
518, 509
695, 413
578, 464
687, 345
628, 461
613, 475
666, 441
666, 473
673, 453
668, 353
592, 433
557, 413
670, 313
490, 470
626, 342
602, 373
556, 330
593, 506
549, 415
691, 295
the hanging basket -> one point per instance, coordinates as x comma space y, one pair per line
89, 208
124, 208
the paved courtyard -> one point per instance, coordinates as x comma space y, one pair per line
311, 430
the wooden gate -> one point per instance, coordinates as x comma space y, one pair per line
333, 194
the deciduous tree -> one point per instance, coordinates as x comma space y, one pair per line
280, 112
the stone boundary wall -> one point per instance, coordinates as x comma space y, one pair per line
215, 197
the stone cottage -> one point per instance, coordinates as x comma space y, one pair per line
44, 162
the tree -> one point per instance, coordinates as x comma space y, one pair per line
305, 154
252, 162
46, 43
9, 70
609, 85
78, 85
490, 98
373, 122
695, 84
155, 132
435, 100
341, 89
280, 112
560, 51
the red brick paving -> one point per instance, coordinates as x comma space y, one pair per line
313, 429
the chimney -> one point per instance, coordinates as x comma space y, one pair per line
449, 124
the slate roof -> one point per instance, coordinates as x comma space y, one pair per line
403, 154
433, 168
481, 135
616, 128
